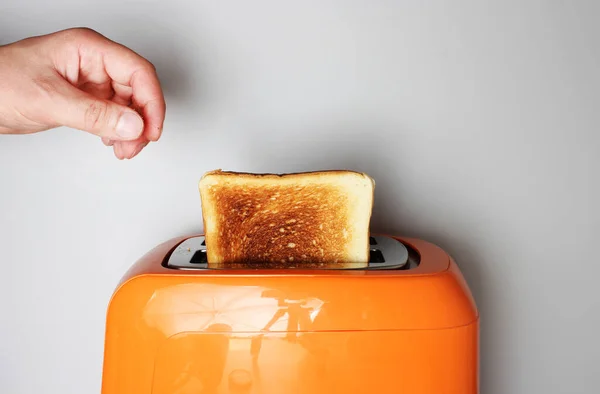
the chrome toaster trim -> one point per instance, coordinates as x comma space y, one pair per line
395, 255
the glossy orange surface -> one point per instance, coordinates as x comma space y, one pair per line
292, 331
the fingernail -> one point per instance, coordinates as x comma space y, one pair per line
130, 126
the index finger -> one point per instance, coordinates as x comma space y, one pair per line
127, 68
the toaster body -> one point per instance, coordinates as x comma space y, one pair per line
406, 324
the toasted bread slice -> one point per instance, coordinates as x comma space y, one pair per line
310, 219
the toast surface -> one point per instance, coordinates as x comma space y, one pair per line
310, 219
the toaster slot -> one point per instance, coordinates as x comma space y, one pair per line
199, 257
385, 253
376, 257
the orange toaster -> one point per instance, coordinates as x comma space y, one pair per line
406, 324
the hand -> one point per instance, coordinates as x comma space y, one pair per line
80, 79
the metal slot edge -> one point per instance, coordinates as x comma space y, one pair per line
396, 255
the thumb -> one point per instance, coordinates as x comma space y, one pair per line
103, 118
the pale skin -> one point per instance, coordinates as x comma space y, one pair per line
80, 79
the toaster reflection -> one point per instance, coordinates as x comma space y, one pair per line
245, 309
221, 340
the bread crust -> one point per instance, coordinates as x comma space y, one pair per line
302, 219
240, 174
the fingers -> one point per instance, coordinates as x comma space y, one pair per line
101, 90
128, 149
128, 69
122, 94
119, 97
80, 110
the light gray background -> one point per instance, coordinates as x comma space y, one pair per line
478, 120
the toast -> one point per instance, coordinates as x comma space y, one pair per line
308, 219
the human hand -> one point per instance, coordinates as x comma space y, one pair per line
80, 79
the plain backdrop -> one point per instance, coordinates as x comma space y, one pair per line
479, 121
